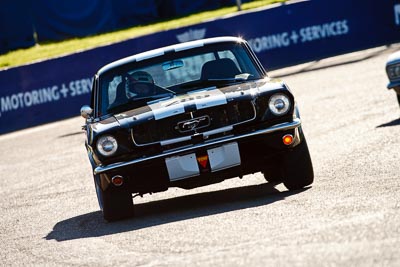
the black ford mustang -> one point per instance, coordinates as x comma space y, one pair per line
190, 115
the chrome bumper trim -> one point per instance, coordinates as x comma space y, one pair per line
279, 127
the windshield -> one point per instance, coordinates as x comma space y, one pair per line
135, 84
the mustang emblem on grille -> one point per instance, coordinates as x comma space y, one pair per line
193, 124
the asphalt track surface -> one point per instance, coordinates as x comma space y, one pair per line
349, 217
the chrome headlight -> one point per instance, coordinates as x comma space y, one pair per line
107, 145
279, 104
393, 71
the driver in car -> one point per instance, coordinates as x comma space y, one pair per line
140, 84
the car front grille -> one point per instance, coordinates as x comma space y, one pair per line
157, 131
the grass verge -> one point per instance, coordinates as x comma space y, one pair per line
55, 49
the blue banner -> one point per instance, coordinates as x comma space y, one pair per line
281, 36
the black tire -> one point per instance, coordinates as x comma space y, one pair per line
398, 98
273, 175
116, 203
297, 167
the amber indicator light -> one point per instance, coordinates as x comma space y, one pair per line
287, 139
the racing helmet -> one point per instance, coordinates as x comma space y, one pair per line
140, 77
140, 83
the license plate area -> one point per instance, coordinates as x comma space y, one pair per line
190, 165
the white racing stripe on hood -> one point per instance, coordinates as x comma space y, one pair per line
211, 98
167, 108
202, 99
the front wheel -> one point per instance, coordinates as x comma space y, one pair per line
274, 174
297, 167
115, 203
398, 98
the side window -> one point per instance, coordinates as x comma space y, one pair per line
108, 91
112, 88
93, 94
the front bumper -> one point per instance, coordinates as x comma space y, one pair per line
275, 128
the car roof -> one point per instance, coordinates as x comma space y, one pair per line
161, 51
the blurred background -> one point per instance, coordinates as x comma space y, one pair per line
24, 23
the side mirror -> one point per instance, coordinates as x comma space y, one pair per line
86, 111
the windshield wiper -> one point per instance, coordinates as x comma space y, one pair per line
151, 98
137, 102
159, 98
238, 78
